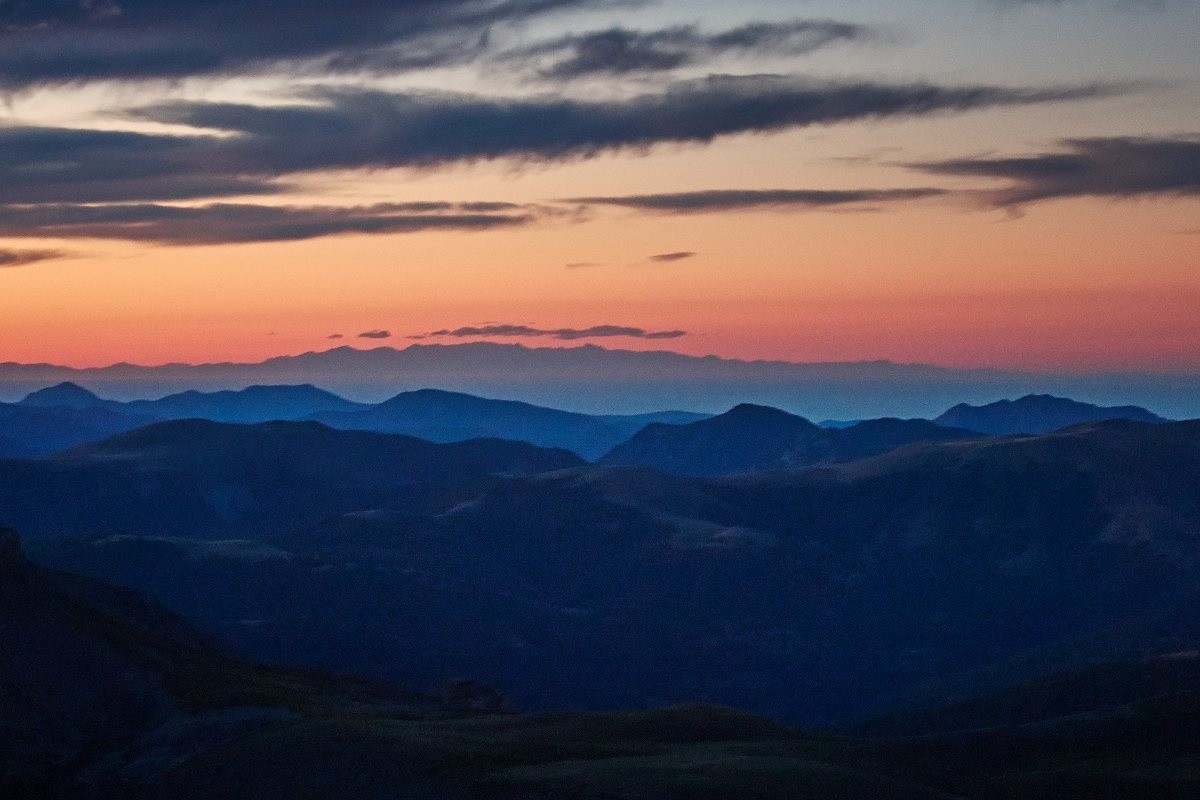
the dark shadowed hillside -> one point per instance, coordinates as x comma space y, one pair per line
749, 438
34, 430
104, 695
195, 477
814, 595
1089, 693
1036, 413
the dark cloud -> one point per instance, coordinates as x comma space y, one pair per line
1113, 167
335, 336
365, 130
375, 129
52, 180
225, 223
743, 199
620, 50
47, 41
58, 165
668, 258
569, 334
20, 258
375, 335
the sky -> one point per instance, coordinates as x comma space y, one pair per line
967, 183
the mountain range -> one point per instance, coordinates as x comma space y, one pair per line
1036, 413
203, 477
929, 570
595, 380
58, 417
442, 416
749, 438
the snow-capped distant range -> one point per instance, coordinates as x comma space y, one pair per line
596, 380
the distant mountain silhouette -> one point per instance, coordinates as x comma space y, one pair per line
749, 438
442, 416
596, 380
249, 405
63, 395
66, 415
1036, 413
189, 476
34, 430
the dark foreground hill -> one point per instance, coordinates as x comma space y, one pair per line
748, 438
192, 477
103, 695
812, 595
1036, 413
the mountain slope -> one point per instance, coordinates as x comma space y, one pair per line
64, 395
935, 569
103, 695
191, 476
749, 438
249, 405
33, 430
1036, 413
451, 416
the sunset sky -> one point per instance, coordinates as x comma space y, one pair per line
957, 182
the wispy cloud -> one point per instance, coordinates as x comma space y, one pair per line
522, 331
378, 334
49, 41
360, 129
350, 129
1122, 167
670, 258
747, 199
20, 258
621, 50
226, 223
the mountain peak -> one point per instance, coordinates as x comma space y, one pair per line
755, 410
1036, 413
62, 395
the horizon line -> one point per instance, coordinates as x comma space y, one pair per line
345, 348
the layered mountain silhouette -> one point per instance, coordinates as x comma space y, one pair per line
57, 417
249, 405
1036, 413
33, 430
749, 438
597, 380
198, 476
934, 569
103, 694
451, 416
65, 395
